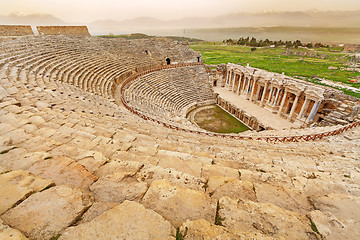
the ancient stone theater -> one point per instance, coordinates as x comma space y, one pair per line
96, 143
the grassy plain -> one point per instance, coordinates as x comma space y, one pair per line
274, 60
215, 119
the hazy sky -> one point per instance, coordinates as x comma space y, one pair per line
89, 10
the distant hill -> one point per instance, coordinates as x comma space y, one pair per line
331, 19
31, 19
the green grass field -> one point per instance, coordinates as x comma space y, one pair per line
273, 59
217, 120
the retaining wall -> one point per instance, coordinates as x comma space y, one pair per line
64, 30
15, 30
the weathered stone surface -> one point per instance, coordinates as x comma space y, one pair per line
203, 230
45, 214
7, 233
150, 173
177, 204
186, 166
214, 170
63, 170
96, 210
340, 216
24, 161
221, 186
129, 220
3, 169
15, 186
283, 197
265, 218
92, 160
118, 166
118, 187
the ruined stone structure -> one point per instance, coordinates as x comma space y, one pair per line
15, 30
77, 163
63, 30
352, 47
291, 98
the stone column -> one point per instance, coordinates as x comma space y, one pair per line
263, 95
249, 86
257, 93
270, 95
245, 84
314, 110
294, 106
282, 102
238, 87
233, 82
252, 90
228, 77
277, 96
303, 108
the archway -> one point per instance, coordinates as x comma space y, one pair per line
168, 61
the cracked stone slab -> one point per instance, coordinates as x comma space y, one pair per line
264, 218
149, 173
8, 233
129, 220
118, 187
63, 170
204, 230
15, 186
91, 160
219, 187
45, 214
177, 204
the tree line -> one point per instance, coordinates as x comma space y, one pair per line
253, 42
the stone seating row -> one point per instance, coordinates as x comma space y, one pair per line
167, 92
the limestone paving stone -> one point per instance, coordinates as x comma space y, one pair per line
193, 168
91, 160
7, 233
204, 230
115, 166
96, 210
45, 214
133, 156
118, 187
214, 170
63, 171
22, 160
234, 188
283, 197
149, 173
247, 216
339, 214
129, 220
15, 186
177, 204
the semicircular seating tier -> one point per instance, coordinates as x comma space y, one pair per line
168, 93
92, 64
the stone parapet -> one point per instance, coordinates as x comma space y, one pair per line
15, 30
64, 30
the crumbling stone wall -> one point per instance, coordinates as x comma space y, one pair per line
15, 30
63, 30
352, 47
